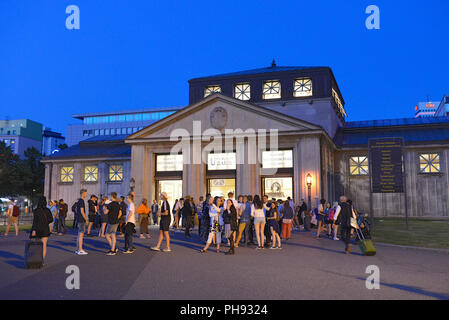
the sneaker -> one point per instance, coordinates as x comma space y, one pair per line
335, 238
279, 248
272, 248
166, 250
81, 253
111, 253
128, 251
155, 249
258, 248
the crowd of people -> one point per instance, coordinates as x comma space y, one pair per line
246, 221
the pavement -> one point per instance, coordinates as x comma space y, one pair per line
306, 268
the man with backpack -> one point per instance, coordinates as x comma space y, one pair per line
13, 216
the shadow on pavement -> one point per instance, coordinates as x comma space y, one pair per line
13, 259
436, 295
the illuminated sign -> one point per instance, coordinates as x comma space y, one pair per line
277, 159
221, 161
169, 162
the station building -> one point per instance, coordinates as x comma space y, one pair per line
289, 137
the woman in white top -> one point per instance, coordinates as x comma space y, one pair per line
130, 224
216, 224
258, 214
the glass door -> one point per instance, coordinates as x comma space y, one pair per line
221, 187
173, 188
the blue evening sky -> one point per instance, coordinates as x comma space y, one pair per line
139, 54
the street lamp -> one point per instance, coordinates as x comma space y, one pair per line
309, 187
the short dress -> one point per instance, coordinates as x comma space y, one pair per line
273, 222
40, 223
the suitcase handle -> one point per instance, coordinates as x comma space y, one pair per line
360, 234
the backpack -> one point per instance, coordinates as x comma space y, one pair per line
331, 214
74, 207
15, 211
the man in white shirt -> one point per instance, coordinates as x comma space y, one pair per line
130, 224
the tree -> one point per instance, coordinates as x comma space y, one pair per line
10, 178
32, 173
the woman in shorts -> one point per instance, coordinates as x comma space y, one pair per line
258, 214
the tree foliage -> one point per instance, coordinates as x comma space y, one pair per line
21, 177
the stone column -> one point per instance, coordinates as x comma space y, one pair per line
308, 161
139, 171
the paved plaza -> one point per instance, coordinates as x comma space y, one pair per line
306, 268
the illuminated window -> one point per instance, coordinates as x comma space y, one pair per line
338, 102
358, 166
271, 89
67, 174
211, 89
169, 162
277, 159
115, 172
302, 87
91, 173
429, 163
242, 91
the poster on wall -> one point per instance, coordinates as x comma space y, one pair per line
279, 188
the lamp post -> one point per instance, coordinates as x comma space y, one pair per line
309, 187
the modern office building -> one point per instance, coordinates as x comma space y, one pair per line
51, 141
113, 123
426, 109
21, 135
280, 131
443, 107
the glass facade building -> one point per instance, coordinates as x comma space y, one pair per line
114, 123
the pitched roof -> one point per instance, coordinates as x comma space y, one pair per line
415, 131
103, 147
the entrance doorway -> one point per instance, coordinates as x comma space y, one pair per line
173, 189
221, 187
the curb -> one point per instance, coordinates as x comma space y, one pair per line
412, 248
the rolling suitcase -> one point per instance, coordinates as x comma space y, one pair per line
366, 245
33, 254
